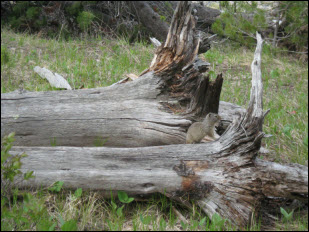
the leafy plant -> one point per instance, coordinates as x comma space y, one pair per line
123, 197
84, 19
145, 220
56, 187
118, 211
10, 165
5, 55
16, 215
78, 192
217, 222
287, 216
240, 20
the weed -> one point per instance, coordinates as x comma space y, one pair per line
5, 56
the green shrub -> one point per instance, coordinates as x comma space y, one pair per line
32, 13
240, 21
5, 55
84, 20
20, 8
74, 9
26, 16
10, 165
16, 23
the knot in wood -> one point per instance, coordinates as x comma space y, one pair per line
183, 170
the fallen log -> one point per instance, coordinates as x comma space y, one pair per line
223, 176
149, 13
124, 115
155, 109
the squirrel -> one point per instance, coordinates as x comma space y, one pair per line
198, 130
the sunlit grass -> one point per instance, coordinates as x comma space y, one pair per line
89, 63
285, 93
97, 62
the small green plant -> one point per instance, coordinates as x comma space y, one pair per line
53, 141
274, 73
84, 19
117, 222
287, 216
163, 18
78, 192
123, 197
217, 223
99, 141
10, 165
56, 187
15, 215
5, 55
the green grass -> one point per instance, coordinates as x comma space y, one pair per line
285, 93
96, 62
88, 63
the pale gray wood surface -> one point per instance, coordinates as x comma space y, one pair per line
222, 183
151, 169
126, 115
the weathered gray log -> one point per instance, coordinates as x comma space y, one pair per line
149, 18
127, 115
137, 113
146, 170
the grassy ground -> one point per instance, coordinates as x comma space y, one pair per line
96, 62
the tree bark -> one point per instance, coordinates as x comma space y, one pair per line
146, 14
150, 19
133, 114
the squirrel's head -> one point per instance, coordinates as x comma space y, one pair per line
213, 118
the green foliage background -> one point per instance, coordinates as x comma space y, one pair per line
240, 21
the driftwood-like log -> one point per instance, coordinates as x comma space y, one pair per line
123, 115
223, 176
155, 109
231, 185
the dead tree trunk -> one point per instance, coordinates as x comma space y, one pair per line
155, 109
145, 13
224, 176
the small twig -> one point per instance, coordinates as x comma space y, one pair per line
222, 41
266, 112
210, 37
181, 217
60, 32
